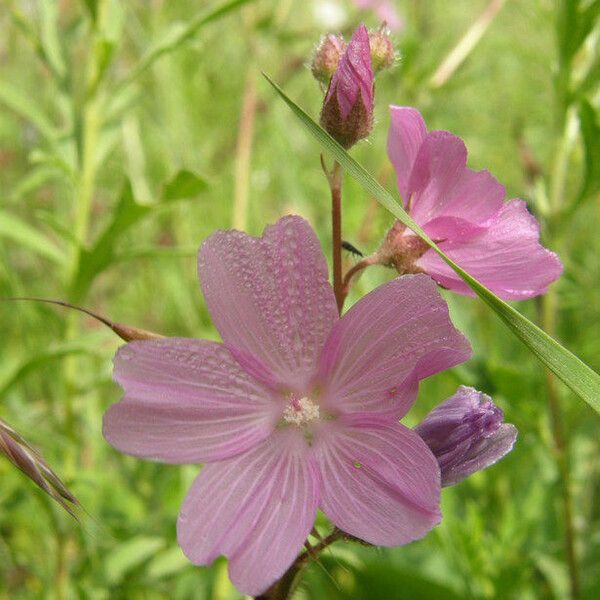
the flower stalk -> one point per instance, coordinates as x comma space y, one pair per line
334, 178
285, 587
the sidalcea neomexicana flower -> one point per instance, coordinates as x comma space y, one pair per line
465, 213
297, 410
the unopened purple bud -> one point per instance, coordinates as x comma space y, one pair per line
347, 112
383, 54
327, 57
466, 433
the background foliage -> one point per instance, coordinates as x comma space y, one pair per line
124, 141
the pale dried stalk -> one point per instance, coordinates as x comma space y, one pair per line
466, 44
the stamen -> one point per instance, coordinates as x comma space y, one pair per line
301, 411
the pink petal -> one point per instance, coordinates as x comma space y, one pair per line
257, 509
406, 134
464, 210
448, 199
444, 188
187, 401
354, 74
381, 483
270, 299
391, 338
507, 257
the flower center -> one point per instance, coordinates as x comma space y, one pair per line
300, 411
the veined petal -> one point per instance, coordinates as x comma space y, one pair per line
448, 199
406, 134
507, 258
393, 337
270, 299
464, 210
444, 189
354, 75
489, 452
257, 509
381, 483
187, 401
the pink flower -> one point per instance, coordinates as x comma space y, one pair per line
347, 112
385, 11
466, 433
464, 211
296, 410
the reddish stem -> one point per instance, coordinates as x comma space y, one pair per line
335, 185
357, 268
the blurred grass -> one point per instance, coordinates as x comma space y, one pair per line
61, 64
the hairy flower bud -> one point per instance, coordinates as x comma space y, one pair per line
401, 250
383, 54
466, 433
327, 57
347, 112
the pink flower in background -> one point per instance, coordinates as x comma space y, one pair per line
465, 213
347, 112
297, 409
466, 434
385, 11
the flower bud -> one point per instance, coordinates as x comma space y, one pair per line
347, 112
401, 249
327, 57
383, 54
466, 434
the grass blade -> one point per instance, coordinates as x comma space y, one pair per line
573, 372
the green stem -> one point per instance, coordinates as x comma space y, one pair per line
548, 309
549, 316
91, 123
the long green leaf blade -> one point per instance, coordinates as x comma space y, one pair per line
569, 368
179, 33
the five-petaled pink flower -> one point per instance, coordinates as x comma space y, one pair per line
464, 211
297, 409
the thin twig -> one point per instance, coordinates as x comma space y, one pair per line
125, 332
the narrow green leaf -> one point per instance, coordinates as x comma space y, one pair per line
50, 37
184, 185
26, 107
130, 555
571, 370
179, 33
126, 214
590, 133
25, 235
